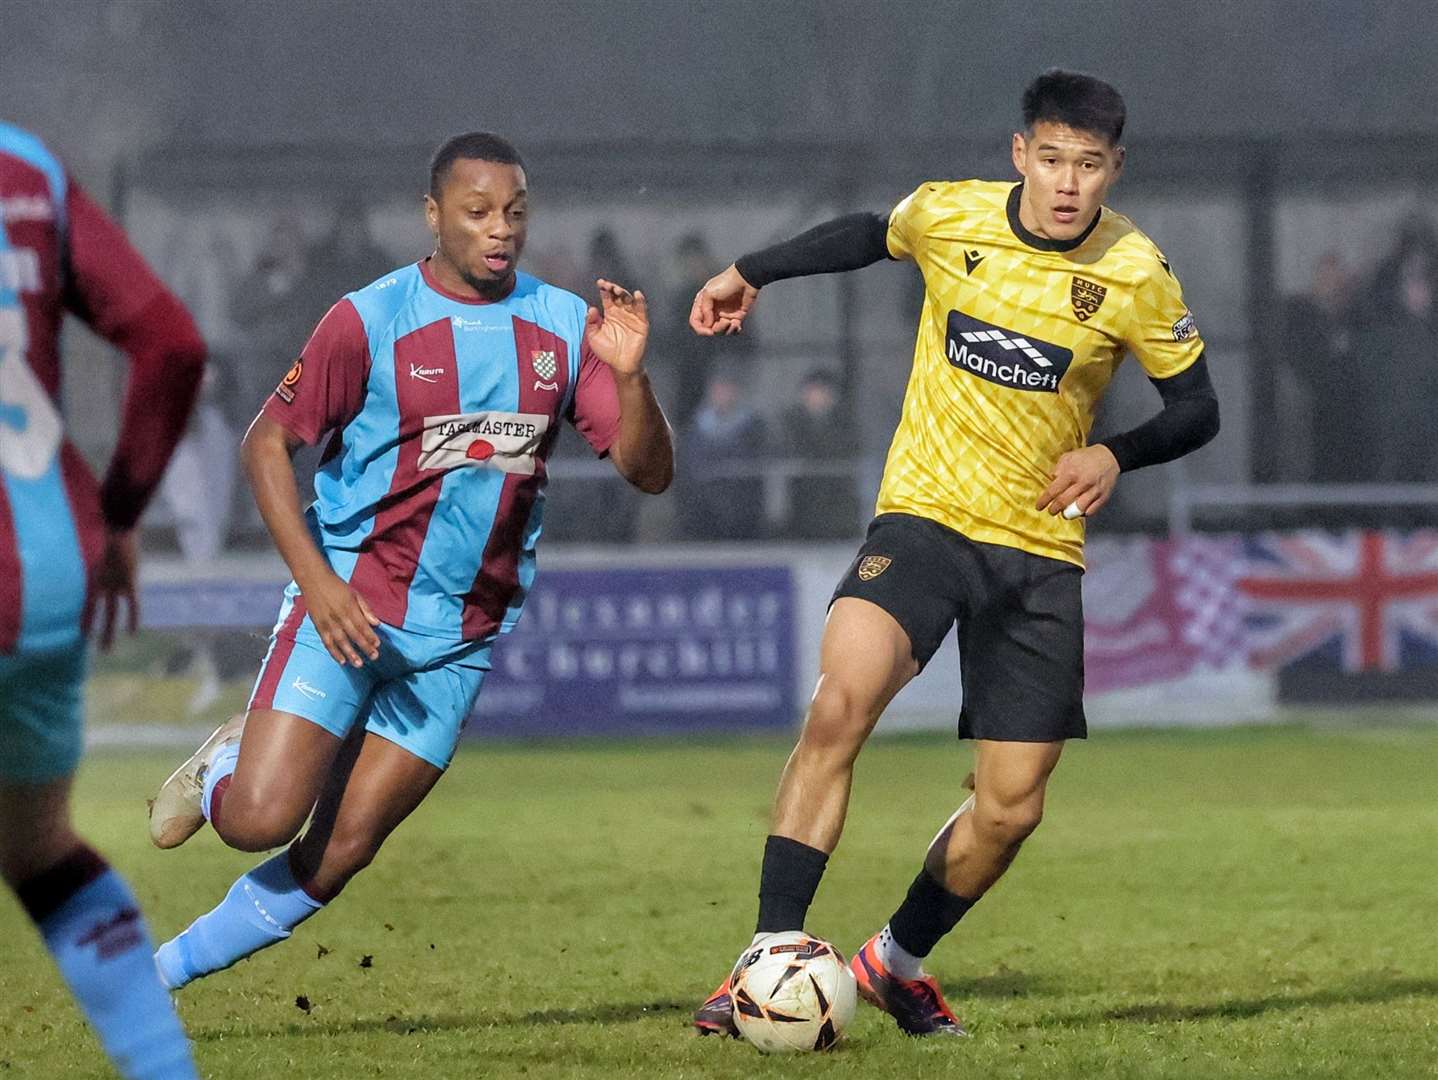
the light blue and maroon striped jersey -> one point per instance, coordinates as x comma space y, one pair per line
443, 411
59, 252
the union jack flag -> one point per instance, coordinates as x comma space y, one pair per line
1361, 600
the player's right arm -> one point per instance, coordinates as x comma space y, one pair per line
322, 392
846, 243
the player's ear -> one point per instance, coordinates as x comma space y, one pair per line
431, 214
1118, 159
1019, 150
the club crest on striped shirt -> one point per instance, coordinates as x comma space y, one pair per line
545, 365
871, 566
1087, 297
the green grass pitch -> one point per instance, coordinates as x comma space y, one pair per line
1250, 903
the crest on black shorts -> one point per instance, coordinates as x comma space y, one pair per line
871, 566
1087, 297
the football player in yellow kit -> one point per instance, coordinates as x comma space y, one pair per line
1034, 293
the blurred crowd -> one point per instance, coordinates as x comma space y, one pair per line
751, 468
1356, 368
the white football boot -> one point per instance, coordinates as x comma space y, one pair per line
175, 813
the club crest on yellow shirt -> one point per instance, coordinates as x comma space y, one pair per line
871, 566
1087, 297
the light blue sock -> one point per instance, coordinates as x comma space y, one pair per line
222, 766
261, 908
100, 944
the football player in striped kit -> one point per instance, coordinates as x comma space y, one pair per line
441, 388
67, 552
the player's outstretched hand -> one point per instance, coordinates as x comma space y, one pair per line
722, 304
617, 335
115, 583
1082, 478
342, 619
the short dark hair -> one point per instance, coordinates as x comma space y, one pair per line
474, 146
1076, 100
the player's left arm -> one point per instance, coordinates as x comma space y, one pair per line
1165, 340
111, 288
614, 404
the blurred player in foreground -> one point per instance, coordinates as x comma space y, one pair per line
1034, 291
67, 547
441, 386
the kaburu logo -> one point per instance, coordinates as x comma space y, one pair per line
285, 391
425, 374
314, 693
1087, 297
545, 365
871, 566
1003, 356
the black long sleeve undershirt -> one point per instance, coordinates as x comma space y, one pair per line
846, 243
1188, 419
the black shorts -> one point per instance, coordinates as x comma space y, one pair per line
1020, 619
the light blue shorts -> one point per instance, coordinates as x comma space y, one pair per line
418, 694
42, 714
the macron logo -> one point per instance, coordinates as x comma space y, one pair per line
425, 374
314, 693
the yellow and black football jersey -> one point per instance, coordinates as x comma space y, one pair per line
1018, 337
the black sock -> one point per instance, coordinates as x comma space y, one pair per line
787, 883
928, 913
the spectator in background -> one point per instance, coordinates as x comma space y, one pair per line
269, 312
818, 429
1317, 339
693, 358
719, 498
345, 260
602, 508
1398, 347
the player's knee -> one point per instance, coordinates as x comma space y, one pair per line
347, 853
837, 720
250, 823
1008, 824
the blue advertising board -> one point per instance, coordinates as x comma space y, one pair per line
603, 651
644, 650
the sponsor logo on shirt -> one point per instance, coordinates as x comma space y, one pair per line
1005, 357
1185, 328
471, 325
17, 208
496, 440
425, 374
19, 270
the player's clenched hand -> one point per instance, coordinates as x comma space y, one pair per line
342, 619
115, 582
1085, 477
617, 336
721, 305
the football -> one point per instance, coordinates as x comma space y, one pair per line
792, 992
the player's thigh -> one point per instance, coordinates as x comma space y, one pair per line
303, 706
376, 785
1021, 655
907, 569
424, 712
865, 658
1013, 773
41, 715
